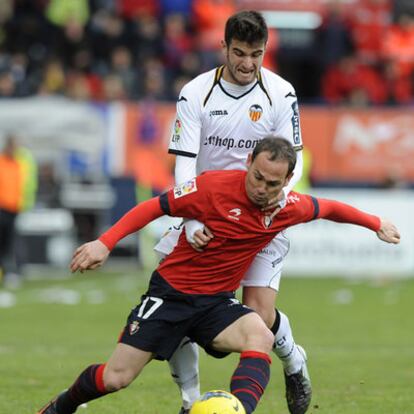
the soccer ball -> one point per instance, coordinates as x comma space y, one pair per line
217, 402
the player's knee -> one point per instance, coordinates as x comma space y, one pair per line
259, 338
260, 341
267, 340
116, 380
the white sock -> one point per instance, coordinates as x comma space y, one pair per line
285, 347
184, 370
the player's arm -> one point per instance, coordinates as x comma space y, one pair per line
197, 234
185, 143
344, 213
93, 254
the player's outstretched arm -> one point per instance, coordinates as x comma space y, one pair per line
92, 255
89, 256
388, 232
344, 213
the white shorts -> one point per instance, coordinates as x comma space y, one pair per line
266, 269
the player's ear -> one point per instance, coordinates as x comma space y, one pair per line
224, 47
249, 160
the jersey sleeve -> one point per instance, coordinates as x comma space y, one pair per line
185, 138
188, 200
134, 220
309, 208
344, 213
287, 119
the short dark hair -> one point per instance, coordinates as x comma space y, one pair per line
279, 148
246, 26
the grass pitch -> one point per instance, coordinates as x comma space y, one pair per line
359, 338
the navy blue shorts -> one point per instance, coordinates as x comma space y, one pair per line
165, 316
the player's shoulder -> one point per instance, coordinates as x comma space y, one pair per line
277, 86
294, 197
196, 86
296, 200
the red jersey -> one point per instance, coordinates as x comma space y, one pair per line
219, 200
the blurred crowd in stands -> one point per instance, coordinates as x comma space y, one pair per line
105, 50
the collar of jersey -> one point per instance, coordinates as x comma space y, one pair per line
236, 90
243, 89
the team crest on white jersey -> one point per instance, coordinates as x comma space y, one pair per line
185, 188
234, 214
255, 112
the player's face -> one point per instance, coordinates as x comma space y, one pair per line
265, 178
243, 61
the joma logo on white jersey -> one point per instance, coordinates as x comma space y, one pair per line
234, 214
218, 112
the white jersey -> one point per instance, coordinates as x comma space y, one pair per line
220, 123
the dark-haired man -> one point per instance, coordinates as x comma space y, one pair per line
221, 115
191, 293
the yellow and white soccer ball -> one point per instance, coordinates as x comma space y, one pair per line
217, 402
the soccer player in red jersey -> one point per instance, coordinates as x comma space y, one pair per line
192, 293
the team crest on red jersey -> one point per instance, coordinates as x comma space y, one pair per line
255, 112
133, 327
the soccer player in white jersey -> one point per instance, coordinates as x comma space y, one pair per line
221, 115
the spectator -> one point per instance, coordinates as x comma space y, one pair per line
350, 82
18, 185
130, 9
122, 67
7, 85
113, 88
333, 37
107, 32
177, 41
48, 195
398, 44
210, 30
60, 12
148, 39
398, 88
369, 20
176, 6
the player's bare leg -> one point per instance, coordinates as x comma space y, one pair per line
293, 357
97, 380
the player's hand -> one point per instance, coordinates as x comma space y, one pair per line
274, 204
89, 256
388, 232
201, 239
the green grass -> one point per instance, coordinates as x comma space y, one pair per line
359, 338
